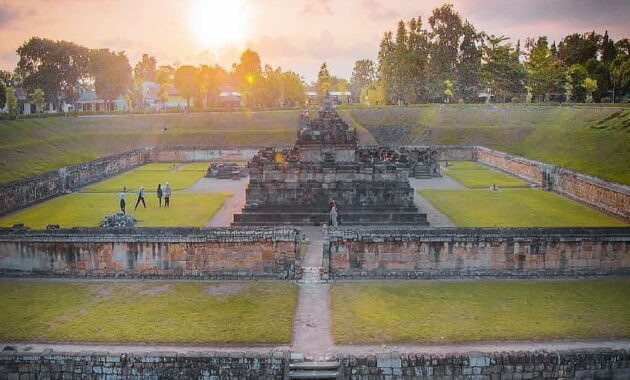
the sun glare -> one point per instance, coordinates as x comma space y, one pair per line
219, 22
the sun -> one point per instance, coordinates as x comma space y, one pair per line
218, 22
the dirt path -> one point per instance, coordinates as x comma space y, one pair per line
311, 327
225, 216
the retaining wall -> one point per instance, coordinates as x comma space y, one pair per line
584, 364
209, 253
162, 365
28, 191
408, 253
610, 197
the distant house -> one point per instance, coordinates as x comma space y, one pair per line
150, 95
230, 98
176, 99
88, 101
338, 96
24, 105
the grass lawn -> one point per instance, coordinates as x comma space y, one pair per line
461, 311
514, 208
89, 209
151, 312
475, 175
149, 176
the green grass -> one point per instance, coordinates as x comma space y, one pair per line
591, 140
461, 311
149, 312
149, 176
89, 209
514, 208
474, 175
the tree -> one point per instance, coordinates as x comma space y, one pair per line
503, 74
248, 74
53, 66
364, 73
620, 75
111, 72
578, 48
600, 72
145, 70
37, 98
576, 75
590, 85
187, 81
165, 75
210, 79
163, 94
608, 49
373, 94
469, 68
544, 71
446, 32
3, 95
11, 101
323, 81
448, 90
386, 62
292, 88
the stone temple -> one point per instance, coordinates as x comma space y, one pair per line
369, 184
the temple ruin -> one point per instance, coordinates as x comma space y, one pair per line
369, 184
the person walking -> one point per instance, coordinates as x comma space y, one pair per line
167, 195
140, 198
159, 193
121, 199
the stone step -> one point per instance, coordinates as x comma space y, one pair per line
331, 374
332, 365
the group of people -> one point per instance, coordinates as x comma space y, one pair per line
161, 192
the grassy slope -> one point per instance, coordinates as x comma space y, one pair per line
146, 312
590, 140
32, 146
442, 311
514, 208
149, 176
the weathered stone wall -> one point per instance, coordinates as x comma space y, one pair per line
162, 365
25, 192
152, 252
583, 364
356, 253
183, 154
528, 170
610, 197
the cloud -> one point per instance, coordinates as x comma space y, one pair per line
378, 11
317, 7
274, 47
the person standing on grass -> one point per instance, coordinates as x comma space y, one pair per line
140, 198
159, 193
121, 199
167, 195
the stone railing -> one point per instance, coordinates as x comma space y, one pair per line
409, 253
212, 253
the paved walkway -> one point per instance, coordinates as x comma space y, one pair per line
435, 217
225, 216
311, 327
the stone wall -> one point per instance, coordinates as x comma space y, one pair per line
610, 197
28, 191
214, 253
162, 365
183, 154
408, 253
583, 364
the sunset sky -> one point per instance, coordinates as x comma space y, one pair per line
297, 35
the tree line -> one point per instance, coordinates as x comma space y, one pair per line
450, 60
52, 72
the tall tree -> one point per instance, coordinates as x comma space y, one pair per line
503, 74
364, 73
469, 68
620, 75
210, 80
599, 72
608, 49
576, 75
418, 56
386, 63
111, 72
247, 74
578, 48
11, 100
446, 32
323, 80
544, 71
165, 74
53, 66
590, 85
293, 89
187, 81
146, 69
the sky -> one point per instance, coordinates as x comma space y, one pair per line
296, 35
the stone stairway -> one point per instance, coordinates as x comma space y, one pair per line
314, 370
422, 172
311, 275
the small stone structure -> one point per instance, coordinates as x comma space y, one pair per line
409, 253
210, 253
118, 220
370, 185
